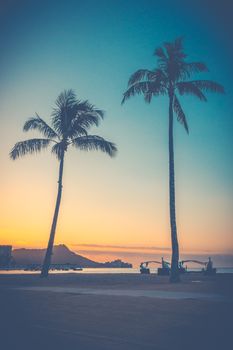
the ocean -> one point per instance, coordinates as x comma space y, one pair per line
107, 271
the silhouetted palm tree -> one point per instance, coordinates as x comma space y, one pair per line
71, 120
171, 77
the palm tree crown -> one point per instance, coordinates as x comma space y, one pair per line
71, 121
171, 77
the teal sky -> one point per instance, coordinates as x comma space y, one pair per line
93, 47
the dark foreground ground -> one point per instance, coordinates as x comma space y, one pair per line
109, 312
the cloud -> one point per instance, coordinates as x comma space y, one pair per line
103, 248
124, 247
117, 253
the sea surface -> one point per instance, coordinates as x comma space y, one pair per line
106, 271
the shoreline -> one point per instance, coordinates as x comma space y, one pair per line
107, 270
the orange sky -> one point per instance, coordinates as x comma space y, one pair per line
105, 215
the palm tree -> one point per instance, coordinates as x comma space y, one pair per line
71, 120
171, 77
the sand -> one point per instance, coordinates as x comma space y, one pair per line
108, 312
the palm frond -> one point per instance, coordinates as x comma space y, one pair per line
171, 60
67, 98
39, 124
87, 107
140, 75
148, 96
174, 49
187, 87
76, 130
86, 116
146, 88
180, 113
208, 86
93, 142
72, 117
65, 112
159, 52
81, 124
58, 149
178, 43
136, 89
194, 67
28, 147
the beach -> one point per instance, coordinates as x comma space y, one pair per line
116, 311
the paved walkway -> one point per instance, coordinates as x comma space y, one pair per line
130, 293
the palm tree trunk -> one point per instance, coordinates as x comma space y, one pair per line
49, 251
174, 277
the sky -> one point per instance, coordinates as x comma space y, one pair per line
116, 207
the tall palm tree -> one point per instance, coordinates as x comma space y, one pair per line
171, 77
71, 120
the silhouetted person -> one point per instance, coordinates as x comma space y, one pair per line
209, 266
164, 264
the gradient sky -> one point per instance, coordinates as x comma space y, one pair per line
93, 47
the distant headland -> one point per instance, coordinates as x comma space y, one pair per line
62, 255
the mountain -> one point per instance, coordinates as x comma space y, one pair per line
61, 255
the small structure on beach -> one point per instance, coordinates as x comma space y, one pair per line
207, 269
165, 268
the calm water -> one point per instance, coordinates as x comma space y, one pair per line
106, 270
